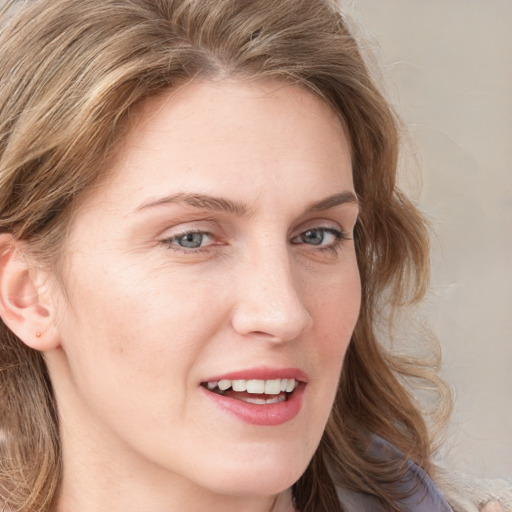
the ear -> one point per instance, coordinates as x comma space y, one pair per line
25, 307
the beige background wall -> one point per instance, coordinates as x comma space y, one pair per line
448, 67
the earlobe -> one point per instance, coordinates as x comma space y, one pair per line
23, 307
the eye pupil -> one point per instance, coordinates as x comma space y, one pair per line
313, 237
191, 240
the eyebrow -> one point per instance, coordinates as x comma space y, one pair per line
220, 204
330, 202
201, 201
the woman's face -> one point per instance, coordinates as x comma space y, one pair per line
218, 251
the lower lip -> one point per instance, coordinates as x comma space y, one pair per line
269, 415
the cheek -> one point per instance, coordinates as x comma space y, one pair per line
124, 333
335, 310
129, 304
341, 307
128, 354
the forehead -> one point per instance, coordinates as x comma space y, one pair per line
219, 132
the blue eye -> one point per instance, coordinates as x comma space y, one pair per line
190, 240
319, 236
313, 236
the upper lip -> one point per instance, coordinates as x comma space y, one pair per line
262, 373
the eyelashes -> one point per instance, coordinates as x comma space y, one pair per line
322, 238
190, 240
198, 241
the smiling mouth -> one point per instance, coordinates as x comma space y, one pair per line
254, 391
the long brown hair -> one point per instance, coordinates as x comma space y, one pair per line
71, 72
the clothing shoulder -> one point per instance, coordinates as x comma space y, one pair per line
451, 492
422, 493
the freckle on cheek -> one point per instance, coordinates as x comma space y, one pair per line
119, 349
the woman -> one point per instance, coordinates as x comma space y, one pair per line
201, 233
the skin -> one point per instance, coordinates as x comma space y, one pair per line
139, 321
492, 506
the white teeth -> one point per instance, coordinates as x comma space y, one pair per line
276, 399
255, 386
264, 401
224, 384
239, 385
257, 401
273, 387
290, 386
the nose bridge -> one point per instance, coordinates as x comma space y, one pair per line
270, 301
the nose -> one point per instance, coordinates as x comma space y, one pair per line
269, 299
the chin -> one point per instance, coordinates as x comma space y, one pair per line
254, 486
256, 479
